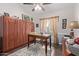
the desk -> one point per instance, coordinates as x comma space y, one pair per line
42, 37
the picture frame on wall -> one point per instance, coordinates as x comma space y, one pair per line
37, 25
64, 23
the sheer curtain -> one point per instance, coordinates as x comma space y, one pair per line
54, 27
49, 25
45, 26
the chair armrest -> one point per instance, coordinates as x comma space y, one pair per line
65, 50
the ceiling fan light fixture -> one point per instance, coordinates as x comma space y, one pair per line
38, 7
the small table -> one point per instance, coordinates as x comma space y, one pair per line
42, 37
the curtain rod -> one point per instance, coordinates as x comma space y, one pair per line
49, 17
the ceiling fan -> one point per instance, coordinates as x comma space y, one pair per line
37, 6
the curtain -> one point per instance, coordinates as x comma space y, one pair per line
44, 25
50, 25
54, 27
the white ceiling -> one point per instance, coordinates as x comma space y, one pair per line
48, 8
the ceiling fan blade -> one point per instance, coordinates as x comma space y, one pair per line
33, 9
46, 3
42, 8
28, 3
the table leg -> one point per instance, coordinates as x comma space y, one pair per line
50, 45
28, 40
46, 47
34, 40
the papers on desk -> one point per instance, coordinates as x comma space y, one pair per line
46, 34
35, 33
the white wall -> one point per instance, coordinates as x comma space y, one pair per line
76, 31
61, 10
63, 14
77, 11
13, 9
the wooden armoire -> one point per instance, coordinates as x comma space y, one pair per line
14, 32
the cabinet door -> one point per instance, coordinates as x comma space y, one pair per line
23, 31
8, 34
11, 32
29, 29
26, 32
20, 32
5, 34
19, 37
16, 34
32, 27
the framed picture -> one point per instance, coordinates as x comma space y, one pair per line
25, 17
64, 23
37, 25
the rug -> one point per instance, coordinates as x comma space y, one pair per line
33, 50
